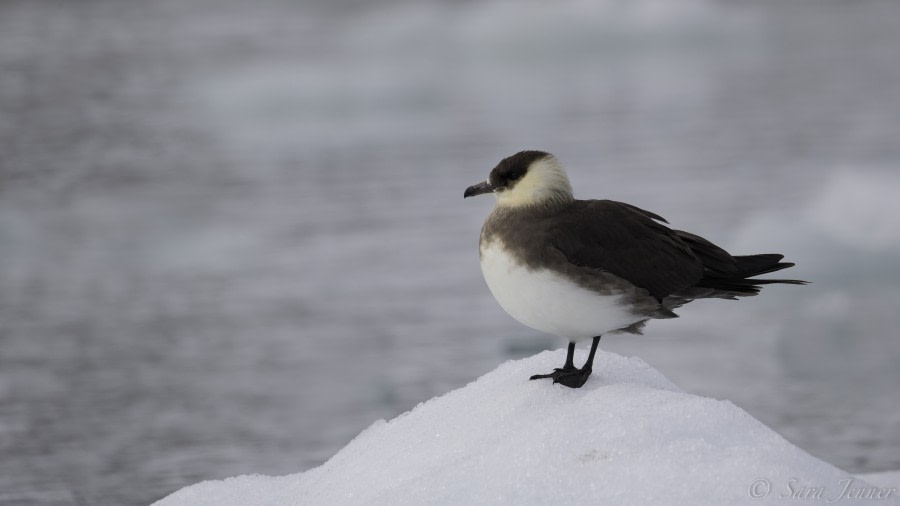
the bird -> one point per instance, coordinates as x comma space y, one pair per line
581, 269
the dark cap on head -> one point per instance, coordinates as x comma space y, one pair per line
512, 168
507, 172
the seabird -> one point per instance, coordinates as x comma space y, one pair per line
580, 269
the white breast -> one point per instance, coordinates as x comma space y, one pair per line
546, 301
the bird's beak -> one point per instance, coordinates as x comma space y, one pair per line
478, 189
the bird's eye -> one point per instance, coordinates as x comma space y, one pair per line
514, 176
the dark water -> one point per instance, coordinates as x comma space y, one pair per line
232, 235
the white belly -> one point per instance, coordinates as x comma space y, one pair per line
544, 300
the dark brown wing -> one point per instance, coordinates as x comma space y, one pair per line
628, 242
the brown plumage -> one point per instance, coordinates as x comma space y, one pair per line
610, 249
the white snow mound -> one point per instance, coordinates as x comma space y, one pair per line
629, 436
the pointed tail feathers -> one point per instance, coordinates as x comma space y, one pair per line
742, 283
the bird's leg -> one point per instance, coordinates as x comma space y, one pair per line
570, 359
569, 375
567, 367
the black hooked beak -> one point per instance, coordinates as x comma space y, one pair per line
478, 189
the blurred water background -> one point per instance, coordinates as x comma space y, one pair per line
232, 234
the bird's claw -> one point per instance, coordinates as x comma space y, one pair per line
572, 378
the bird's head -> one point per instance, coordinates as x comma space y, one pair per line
527, 178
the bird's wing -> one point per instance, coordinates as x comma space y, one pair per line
628, 242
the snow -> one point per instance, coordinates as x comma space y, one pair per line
629, 436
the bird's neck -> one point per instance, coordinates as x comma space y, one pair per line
541, 199
506, 215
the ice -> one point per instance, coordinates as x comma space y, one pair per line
629, 436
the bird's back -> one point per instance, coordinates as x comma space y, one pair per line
631, 243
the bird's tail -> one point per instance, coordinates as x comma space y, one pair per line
740, 282
726, 276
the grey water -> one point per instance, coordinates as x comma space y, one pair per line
232, 234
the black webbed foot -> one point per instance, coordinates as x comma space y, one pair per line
568, 375
572, 378
555, 374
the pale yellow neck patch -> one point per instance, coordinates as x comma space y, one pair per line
545, 183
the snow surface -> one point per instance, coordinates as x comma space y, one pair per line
629, 436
